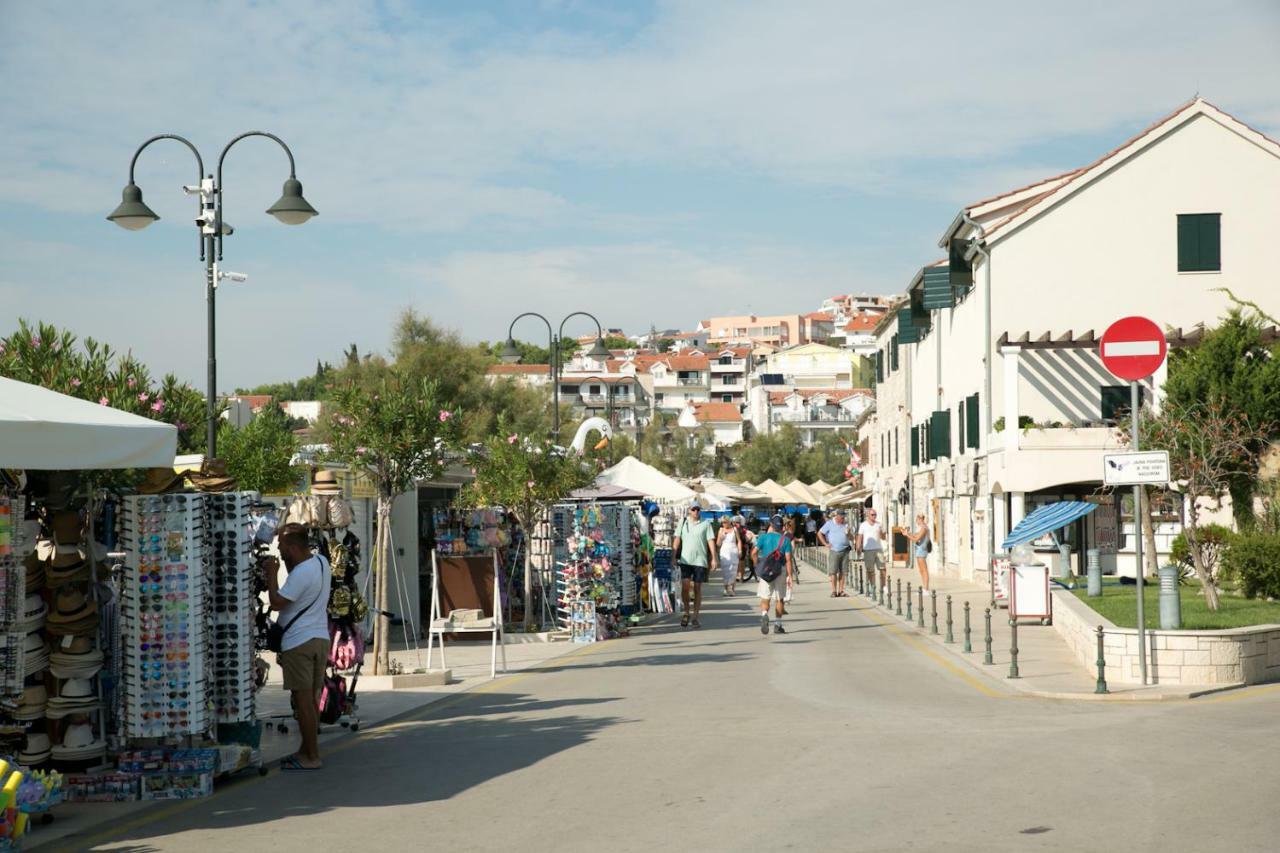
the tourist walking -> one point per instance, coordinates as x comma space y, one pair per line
730, 549
775, 567
746, 539
870, 546
810, 531
922, 544
834, 535
695, 543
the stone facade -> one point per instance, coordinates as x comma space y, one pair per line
1236, 656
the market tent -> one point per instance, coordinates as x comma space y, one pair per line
729, 491
633, 474
821, 487
778, 494
44, 430
1047, 519
806, 494
607, 492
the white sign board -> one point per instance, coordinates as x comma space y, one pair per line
1135, 469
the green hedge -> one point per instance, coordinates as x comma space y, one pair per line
1253, 560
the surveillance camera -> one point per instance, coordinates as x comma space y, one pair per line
235, 276
191, 189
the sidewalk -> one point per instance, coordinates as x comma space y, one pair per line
468, 661
1047, 668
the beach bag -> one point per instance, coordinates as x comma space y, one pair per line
774, 564
333, 699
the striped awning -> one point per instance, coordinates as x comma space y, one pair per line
1047, 519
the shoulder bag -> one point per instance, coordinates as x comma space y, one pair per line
276, 632
774, 563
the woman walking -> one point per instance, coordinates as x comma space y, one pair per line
922, 546
730, 550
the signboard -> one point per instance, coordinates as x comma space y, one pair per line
1135, 469
1133, 348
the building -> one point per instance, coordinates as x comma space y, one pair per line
721, 421
532, 375
678, 379
730, 367
814, 411
778, 330
1010, 406
812, 386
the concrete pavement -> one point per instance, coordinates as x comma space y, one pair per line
837, 736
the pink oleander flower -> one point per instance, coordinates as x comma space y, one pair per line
35, 341
444, 415
513, 438
181, 424
75, 382
103, 401
361, 451
529, 484
143, 397
157, 406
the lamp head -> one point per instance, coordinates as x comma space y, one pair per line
599, 350
131, 214
292, 208
510, 355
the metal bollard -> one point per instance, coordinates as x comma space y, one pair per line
878, 595
987, 659
1102, 667
968, 646
1013, 649
908, 601
950, 637
933, 611
898, 610
920, 607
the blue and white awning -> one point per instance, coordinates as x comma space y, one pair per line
1047, 519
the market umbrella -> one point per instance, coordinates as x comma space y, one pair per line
803, 492
776, 493
633, 474
1045, 520
44, 430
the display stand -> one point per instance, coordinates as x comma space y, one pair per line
466, 621
1029, 593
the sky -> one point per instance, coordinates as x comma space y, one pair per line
652, 163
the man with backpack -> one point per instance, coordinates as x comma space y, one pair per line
694, 547
774, 568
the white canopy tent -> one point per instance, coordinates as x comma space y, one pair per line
778, 494
633, 474
728, 491
802, 491
47, 431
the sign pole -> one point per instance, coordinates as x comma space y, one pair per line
1135, 402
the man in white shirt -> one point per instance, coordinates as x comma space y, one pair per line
303, 603
870, 544
835, 536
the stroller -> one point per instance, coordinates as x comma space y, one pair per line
346, 658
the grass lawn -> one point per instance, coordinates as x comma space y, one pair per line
1119, 603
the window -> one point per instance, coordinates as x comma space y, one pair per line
1199, 242
594, 390
895, 445
960, 423
1115, 401
915, 446
657, 398
893, 353
972, 422
726, 398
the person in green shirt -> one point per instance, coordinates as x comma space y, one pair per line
694, 546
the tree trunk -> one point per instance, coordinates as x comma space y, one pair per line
1197, 559
382, 629
1149, 556
530, 528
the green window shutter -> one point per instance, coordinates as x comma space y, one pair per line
960, 425
937, 288
907, 332
973, 426
915, 446
940, 434
1199, 242
879, 366
959, 271
893, 353
921, 320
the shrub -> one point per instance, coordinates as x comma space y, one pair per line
1254, 560
1210, 539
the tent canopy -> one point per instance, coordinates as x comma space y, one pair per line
1045, 520
44, 430
806, 494
606, 492
728, 491
633, 474
779, 494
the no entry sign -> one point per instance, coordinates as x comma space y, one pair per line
1133, 348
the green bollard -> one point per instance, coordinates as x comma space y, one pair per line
933, 612
968, 646
987, 659
908, 601
1102, 667
920, 607
950, 638
898, 611
1013, 649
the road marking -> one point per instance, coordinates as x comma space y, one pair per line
396, 721
1239, 693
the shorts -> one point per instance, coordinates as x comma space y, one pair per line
304, 665
690, 572
838, 562
777, 588
871, 559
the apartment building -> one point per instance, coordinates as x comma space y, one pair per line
1009, 405
730, 367
676, 380
811, 385
777, 330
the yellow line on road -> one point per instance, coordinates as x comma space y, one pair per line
1239, 693
392, 723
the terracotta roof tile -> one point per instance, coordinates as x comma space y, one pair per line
716, 412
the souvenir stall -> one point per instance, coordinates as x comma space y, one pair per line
595, 587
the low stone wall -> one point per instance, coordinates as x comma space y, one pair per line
1236, 656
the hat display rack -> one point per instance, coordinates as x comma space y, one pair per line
231, 611
166, 673
15, 610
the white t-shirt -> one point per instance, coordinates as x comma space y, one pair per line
308, 578
870, 534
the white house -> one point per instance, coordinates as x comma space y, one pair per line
815, 410
722, 420
1010, 406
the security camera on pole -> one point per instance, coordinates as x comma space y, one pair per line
1133, 348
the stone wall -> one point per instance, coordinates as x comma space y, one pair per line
1235, 656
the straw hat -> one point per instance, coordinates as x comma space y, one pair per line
77, 696
78, 660
34, 700
36, 749
159, 481
212, 477
79, 744
73, 613
34, 612
325, 483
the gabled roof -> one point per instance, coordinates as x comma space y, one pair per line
1025, 204
820, 316
685, 362
864, 321
725, 412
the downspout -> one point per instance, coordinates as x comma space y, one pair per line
976, 245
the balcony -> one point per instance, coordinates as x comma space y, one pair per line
738, 365
814, 417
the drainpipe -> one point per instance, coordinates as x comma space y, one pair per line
977, 246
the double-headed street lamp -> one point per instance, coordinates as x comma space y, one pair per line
132, 214
511, 355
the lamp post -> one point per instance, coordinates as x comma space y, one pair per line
132, 214
511, 355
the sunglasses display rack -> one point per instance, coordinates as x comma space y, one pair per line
164, 603
594, 562
231, 614
13, 596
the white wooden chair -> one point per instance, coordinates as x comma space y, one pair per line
439, 624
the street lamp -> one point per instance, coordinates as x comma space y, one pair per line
132, 214
511, 355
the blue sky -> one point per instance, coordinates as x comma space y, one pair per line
648, 162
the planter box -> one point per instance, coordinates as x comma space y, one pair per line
432, 678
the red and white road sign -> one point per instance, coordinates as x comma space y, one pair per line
1133, 348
